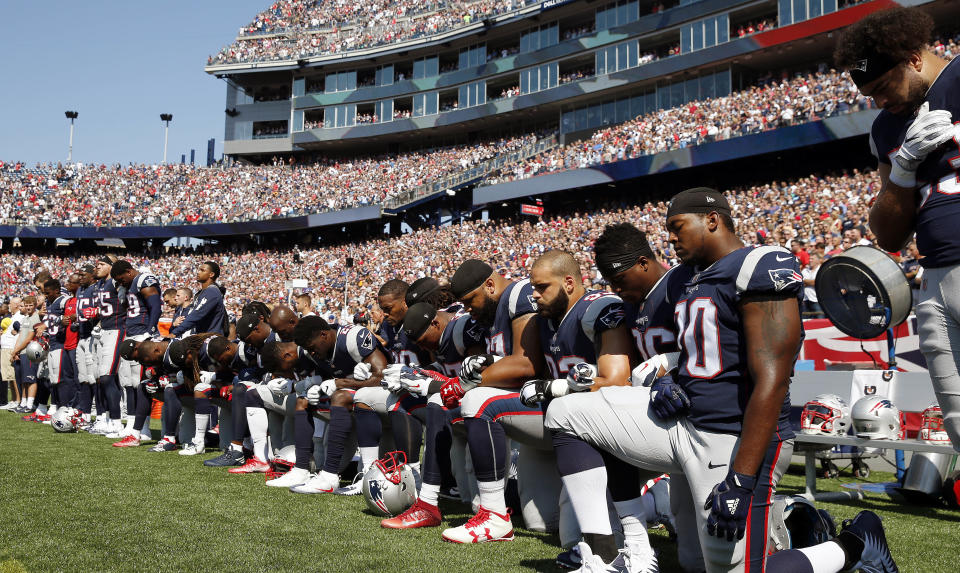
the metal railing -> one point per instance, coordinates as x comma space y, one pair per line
472, 174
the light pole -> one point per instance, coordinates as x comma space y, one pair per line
71, 115
166, 118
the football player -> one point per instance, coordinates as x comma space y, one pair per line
234, 357
107, 314
86, 365
207, 313
346, 352
282, 321
487, 392
917, 143
61, 362
143, 307
450, 337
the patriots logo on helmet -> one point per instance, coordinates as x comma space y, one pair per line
782, 278
376, 495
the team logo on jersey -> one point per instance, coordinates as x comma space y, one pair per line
612, 317
782, 278
861, 65
533, 303
642, 321
366, 340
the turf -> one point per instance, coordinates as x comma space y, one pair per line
72, 502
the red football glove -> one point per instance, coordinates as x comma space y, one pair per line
90, 312
226, 392
451, 392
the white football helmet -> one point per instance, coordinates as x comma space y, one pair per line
65, 420
826, 414
389, 485
876, 418
36, 350
931, 425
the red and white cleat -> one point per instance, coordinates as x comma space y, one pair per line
485, 526
130, 441
253, 466
420, 514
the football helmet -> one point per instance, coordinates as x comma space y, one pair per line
826, 414
65, 420
389, 485
795, 523
36, 350
931, 425
876, 418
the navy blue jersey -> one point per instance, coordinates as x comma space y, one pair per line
651, 322
577, 336
516, 300
308, 366
167, 367
400, 349
53, 321
84, 300
713, 356
204, 360
106, 298
461, 333
138, 315
938, 195
206, 314
354, 344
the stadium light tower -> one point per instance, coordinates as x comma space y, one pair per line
166, 118
71, 115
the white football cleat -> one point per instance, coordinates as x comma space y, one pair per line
634, 559
320, 483
356, 488
192, 449
485, 526
295, 476
590, 563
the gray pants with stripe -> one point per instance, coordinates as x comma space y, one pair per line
938, 323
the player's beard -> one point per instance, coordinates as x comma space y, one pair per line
487, 313
556, 308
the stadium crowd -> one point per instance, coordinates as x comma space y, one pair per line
177, 194
823, 215
116, 196
297, 29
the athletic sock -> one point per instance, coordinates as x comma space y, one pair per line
634, 522
825, 557
491, 496
430, 493
588, 496
257, 421
234, 447
30, 402
303, 438
201, 430
368, 455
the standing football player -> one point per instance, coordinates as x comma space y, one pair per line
106, 310
144, 307
916, 140
207, 313
86, 351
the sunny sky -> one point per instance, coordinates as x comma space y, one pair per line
120, 64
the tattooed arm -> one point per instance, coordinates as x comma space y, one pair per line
771, 326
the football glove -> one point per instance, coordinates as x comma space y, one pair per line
280, 386
667, 398
150, 386
415, 382
451, 392
580, 377
928, 131
655, 367
314, 395
302, 386
362, 371
226, 392
166, 382
729, 504
329, 386
472, 367
90, 312
535, 391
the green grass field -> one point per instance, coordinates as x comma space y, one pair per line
73, 503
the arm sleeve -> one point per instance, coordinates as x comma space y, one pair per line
154, 308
